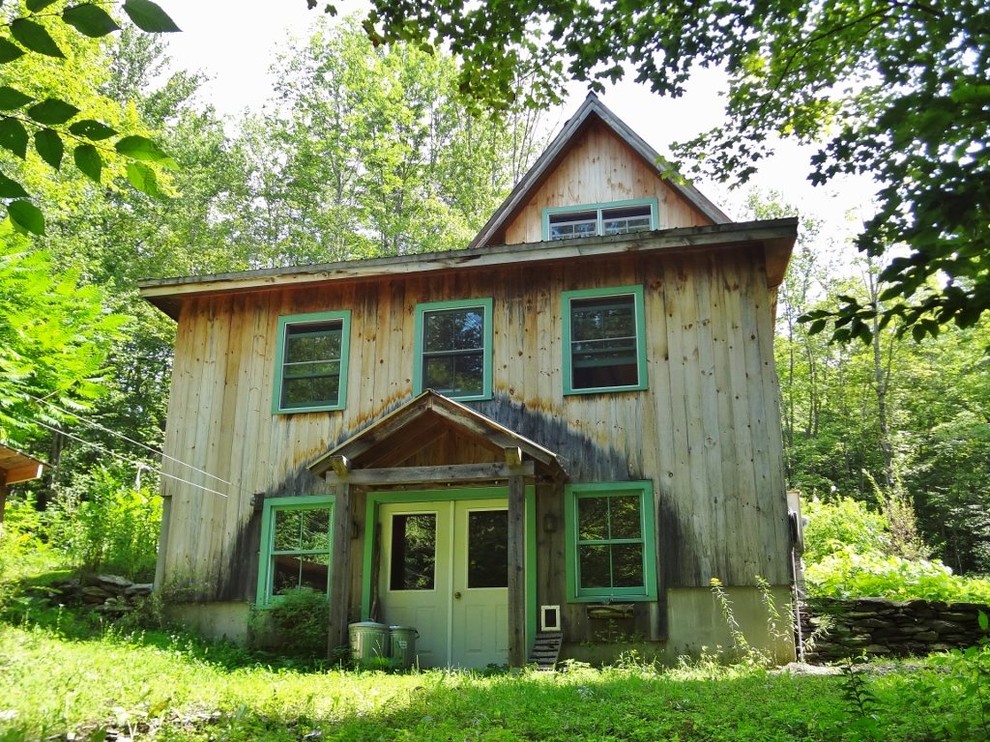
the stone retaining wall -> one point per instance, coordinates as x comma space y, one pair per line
877, 627
108, 594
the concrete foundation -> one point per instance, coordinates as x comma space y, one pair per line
214, 620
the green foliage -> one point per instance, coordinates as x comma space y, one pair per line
54, 336
862, 702
38, 29
850, 574
843, 524
294, 625
972, 674
102, 523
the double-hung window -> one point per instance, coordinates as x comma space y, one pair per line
604, 340
611, 541
311, 362
453, 353
618, 217
295, 546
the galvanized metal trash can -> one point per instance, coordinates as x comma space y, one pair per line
403, 639
369, 643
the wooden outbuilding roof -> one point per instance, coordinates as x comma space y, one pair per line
16, 467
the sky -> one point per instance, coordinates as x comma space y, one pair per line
234, 42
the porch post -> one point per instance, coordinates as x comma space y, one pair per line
517, 569
340, 568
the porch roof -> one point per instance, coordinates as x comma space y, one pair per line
17, 467
381, 448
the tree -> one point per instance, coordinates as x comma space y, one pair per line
895, 89
38, 111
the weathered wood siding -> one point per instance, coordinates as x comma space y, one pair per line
706, 432
599, 168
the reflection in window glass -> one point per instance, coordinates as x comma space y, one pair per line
454, 351
610, 549
488, 556
603, 342
413, 553
300, 548
311, 365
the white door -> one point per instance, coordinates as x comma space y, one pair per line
444, 572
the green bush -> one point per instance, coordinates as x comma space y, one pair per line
295, 625
103, 523
848, 573
843, 523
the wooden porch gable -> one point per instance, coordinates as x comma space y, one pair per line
379, 456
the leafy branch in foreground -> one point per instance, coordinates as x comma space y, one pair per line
51, 124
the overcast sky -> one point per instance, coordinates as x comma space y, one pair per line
235, 41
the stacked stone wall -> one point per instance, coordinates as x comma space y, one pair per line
838, 629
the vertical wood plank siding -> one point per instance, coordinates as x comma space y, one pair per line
706, 431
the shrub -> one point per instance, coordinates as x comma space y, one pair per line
295, 625
843, 523
849, 573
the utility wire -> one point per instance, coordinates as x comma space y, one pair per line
145, 446
125, 459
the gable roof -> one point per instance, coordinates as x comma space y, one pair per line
592, 109
400, 434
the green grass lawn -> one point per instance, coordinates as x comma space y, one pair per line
62, 678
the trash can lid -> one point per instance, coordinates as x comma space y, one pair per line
401, 628
368, 625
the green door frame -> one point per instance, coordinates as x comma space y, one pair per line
446, 495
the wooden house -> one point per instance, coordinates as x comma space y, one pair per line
566, 429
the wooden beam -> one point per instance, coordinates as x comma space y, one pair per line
450, 474
24, 473
341, 465
513, 456
517, 570
340, 570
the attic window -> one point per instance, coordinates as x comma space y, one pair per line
620, 217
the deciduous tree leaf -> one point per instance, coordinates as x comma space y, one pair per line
142, 148
52, 111
11, 98
147, 16
88, 160
11, 188
9, 51
35, 37
13, 136
49, 145
90, 20
26, 217
143, 178
91, 129
35, 5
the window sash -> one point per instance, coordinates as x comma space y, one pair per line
604, 337
604, 220
276, 563
608, 543
311, 362
453, 348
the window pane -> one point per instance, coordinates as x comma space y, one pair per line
627, 565
290, 572
308, 392
287, 526
604, 343
469, 374
624, 516
592, 518
312, 342
414, 547
593, 566
315, 533
488, 538
453, 329
597, 319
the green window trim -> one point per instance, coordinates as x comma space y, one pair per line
427, 308
295, 322
600, 211
573, 493
569, 366
274, 506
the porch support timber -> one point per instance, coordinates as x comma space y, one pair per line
517, 567
340, 584
449, 474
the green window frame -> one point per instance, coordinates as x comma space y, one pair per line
611, 541
293, 541
604, 340
475, 353
302, 360
601, 219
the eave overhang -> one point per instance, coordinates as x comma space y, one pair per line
17, 467
775, 236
